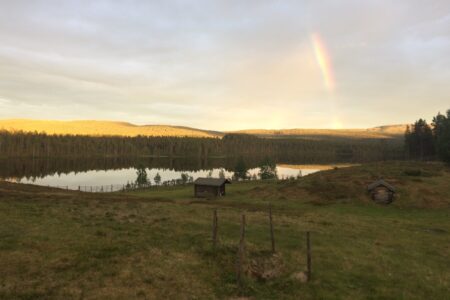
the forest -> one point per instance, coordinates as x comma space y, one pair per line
424, 141
41, 145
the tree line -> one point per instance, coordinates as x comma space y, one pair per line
429, 141
40, 145
267, 171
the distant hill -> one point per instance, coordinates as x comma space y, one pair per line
101, 128
388, 131
398, 129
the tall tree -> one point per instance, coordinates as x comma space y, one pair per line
441, 132
240, 170
142, 178
157, 179
419, 141
268, 169
184, 178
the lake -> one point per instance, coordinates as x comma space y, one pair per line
113, 174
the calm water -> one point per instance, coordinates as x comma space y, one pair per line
104, 175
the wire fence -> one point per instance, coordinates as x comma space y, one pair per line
134, 186
118, 187
104, 188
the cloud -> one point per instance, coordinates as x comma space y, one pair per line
224, 64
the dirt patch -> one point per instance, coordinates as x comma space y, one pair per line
266, 267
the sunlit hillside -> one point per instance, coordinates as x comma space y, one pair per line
101, 128
98, 128
388, 131
398, 129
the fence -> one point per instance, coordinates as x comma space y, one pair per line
242, 253
132, 186
115, 187
103, 188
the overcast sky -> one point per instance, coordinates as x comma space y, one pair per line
225, 64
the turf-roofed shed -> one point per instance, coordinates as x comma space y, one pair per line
207, 187
381, 191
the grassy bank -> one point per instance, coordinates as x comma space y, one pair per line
157, 244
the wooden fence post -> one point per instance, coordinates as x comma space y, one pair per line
272, 237
214, 233
308, 255
241, 251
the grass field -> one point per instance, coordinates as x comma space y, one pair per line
157, 243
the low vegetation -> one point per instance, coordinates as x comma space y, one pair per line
157, 243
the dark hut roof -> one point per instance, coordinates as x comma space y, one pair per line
211, 181
378, 183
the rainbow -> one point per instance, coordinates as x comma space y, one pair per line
324, 61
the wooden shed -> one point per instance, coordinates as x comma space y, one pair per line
206, 187
381, 191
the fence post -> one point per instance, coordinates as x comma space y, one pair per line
241, 252
308, 255
272, 237
214, 233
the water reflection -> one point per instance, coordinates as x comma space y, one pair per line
114, 174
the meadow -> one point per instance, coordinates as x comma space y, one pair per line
156, 243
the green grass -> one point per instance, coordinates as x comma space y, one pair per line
157, 243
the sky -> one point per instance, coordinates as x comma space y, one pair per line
226, 65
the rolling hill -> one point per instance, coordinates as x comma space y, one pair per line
388, 131
102, 128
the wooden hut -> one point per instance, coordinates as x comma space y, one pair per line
207, 187
381, 191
